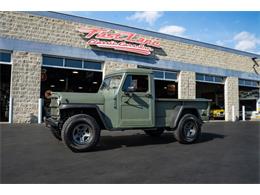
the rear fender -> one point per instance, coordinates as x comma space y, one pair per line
180, 111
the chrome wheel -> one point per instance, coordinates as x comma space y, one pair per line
81, 134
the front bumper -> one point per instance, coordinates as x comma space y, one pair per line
50, 122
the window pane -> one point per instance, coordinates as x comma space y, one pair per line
138, 82
208, 78
73, 63
52, 61
241, 82
255, 83
127, 83
200, 77
171, 75
249, 83
92, 65
5, 57
219, 79
158, 74
166, 89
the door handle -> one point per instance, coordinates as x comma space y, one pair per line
148, 95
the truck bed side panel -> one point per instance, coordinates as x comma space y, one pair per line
164, 109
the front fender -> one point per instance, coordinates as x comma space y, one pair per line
90, 109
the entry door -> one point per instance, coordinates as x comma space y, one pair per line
136, 102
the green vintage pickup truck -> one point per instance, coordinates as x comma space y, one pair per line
126, 100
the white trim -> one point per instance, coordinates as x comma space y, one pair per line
71, 68
40, 104
211, 82
160, 79
6, 63
10, 110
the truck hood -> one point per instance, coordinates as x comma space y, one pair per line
84, 98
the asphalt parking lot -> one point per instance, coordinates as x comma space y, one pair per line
226, 153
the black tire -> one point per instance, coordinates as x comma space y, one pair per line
76, 129
56, 133
154, 133
188, 130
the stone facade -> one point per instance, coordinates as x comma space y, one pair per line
20, 25
231, 98
187, 85
110, 66
25, 86
26, 66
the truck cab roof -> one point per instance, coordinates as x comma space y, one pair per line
131, 70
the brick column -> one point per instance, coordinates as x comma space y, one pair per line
231, 98
25, 86
187, 85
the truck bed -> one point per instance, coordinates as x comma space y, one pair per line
164, 108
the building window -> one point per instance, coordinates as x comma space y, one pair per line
5, 83
209, 78
52, 61
5, 57
165, 75
170, 75
158, 74
92, 65
248, 83
71, 63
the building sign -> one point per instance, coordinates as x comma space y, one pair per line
122, 41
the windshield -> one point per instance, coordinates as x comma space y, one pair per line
112, 82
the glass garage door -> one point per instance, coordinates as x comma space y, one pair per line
5, 76
61, 74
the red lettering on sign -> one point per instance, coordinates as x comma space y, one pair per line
123, 41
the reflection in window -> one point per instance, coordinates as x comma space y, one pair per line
73, 63
69, 80
68, 62
158, 74
209, 78
249, 83
5, 57
52, 61
112, 82
138, 82
171, 75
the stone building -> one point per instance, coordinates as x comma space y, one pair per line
42, 51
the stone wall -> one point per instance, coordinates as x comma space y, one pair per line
25, 86
187, 85
24, 26
231, 98
110, 66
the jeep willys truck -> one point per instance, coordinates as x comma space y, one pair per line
126, 100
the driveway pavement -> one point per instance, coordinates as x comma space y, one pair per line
226, 153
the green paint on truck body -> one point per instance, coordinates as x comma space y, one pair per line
127, 110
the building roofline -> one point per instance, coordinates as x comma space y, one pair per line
106, 24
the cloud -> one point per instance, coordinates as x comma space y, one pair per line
173, 30
246, 41
149, 16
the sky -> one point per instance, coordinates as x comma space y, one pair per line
237, 30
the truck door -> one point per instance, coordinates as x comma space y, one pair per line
136, 102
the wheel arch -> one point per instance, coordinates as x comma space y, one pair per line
68, 110
180, 111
